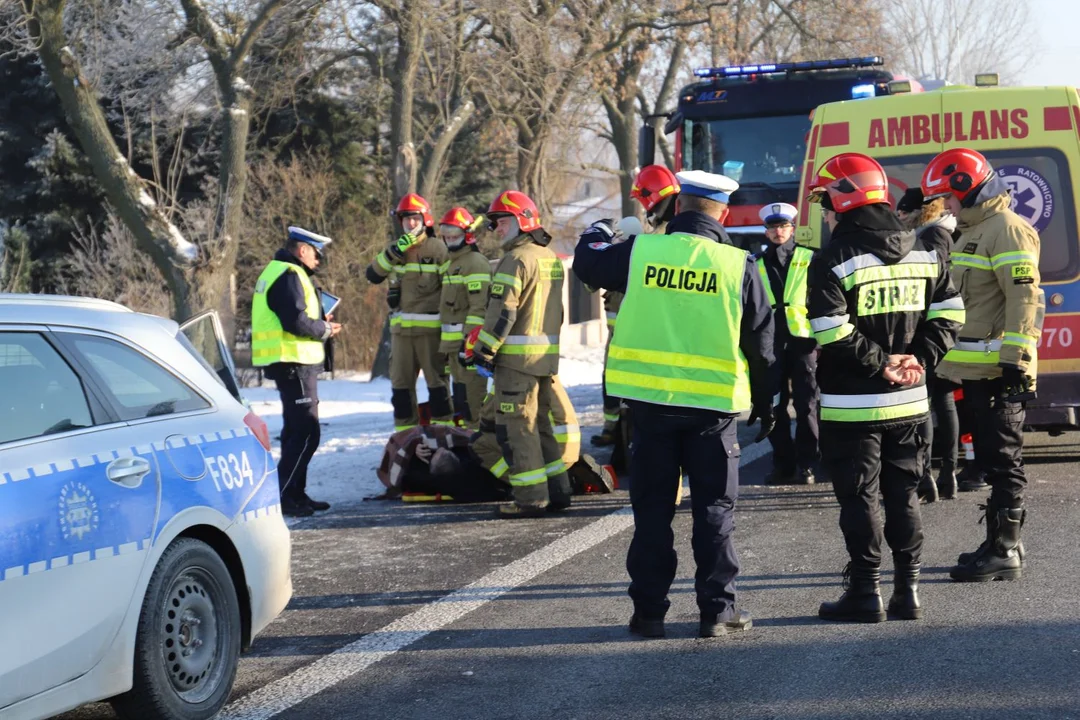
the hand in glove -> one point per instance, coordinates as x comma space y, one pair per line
762, 410
393, 297
399, 247
1015, 384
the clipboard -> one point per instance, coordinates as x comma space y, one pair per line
329, 302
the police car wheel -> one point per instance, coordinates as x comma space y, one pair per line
188, 641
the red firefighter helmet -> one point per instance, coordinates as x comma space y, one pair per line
520, 206
461, 218
958, 172
851, 180
653, 184
413, 204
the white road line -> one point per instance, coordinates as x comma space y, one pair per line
351, 659
753, 451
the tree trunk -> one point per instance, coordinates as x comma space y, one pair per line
406, 65
154, 234
435, 161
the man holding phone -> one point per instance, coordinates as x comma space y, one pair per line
289, 331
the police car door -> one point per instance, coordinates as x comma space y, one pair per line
78, 498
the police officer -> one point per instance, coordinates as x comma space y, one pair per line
461, 309
416, 263
519, 343
288, 333
784, 268
883, 309
996, 262
686, 381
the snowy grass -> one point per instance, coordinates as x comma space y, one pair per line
358, 420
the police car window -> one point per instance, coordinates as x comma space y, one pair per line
41, 394
1042, 194
139, 386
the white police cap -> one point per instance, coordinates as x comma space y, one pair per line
707, 185
319, 242
777, 213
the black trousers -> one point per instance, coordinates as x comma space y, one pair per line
998, 434
704, 446
863, 462
797, 369
947, 434
298, 387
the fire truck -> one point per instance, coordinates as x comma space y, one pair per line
750, 122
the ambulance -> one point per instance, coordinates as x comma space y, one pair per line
1031, 135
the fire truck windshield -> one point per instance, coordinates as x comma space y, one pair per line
761, 151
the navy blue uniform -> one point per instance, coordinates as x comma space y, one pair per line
700, 443
297, 384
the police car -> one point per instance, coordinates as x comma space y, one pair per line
141, 540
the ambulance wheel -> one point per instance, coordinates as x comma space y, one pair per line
187, 645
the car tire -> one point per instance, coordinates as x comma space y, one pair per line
188, 641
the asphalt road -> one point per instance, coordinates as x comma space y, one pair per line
406, 612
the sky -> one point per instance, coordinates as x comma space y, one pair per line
1057, 62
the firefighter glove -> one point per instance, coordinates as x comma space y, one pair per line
762, 411
1015, 384
399, 247
393, 297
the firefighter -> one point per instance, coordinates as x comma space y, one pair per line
656, 188
415, 264
464, 299
883, 309
686, 382
784, 268
288, 336
996, 262
519, 344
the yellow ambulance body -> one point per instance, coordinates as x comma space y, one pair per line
1031, 135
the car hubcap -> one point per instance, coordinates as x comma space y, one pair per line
191, 635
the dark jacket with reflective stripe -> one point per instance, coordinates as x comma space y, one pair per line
777, 258
876, 290
600, 264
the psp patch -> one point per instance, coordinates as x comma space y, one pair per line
1023, 274
475, 286
497, 290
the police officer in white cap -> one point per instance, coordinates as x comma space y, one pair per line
784, 266
692, 349
288, 337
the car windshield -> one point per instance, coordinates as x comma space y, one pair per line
764, 151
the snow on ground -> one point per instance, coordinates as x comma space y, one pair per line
358, 419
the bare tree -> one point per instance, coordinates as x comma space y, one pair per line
952, 40
220, 36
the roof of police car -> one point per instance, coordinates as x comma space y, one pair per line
80, 312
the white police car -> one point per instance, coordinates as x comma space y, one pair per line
141, 540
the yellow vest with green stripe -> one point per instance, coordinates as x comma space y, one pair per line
677, 339
269, 341
794, 291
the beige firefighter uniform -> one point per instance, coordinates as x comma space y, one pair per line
415, 330
464, 299
521, 333
995, 264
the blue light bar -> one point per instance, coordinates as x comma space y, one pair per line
863, 91
737, 70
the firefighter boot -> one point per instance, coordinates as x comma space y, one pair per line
1000, 558
904, 603
928, 489
606, 438
514, 510
711, 625
861, 601
946, 482
989, 512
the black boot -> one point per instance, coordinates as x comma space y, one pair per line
971, 479
904, 603
861, 601
990, 517
1000, 558
946, 482
927, 490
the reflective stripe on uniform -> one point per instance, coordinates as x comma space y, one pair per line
978, 262
452, 332
511, 280
765, 280
867, 268
1024, 341
611, 417
951, 309
977, 352
611, 316
420, 320
499, 469
474, 320
531, 477
384, 262
1013, 258
831, 328
554, 468
658, 357
566, 433
419, 267
399, 428
531, 345
490, 340
874, 407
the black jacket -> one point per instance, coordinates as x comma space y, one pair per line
600, 264
852, 363
776, 259
285, 298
